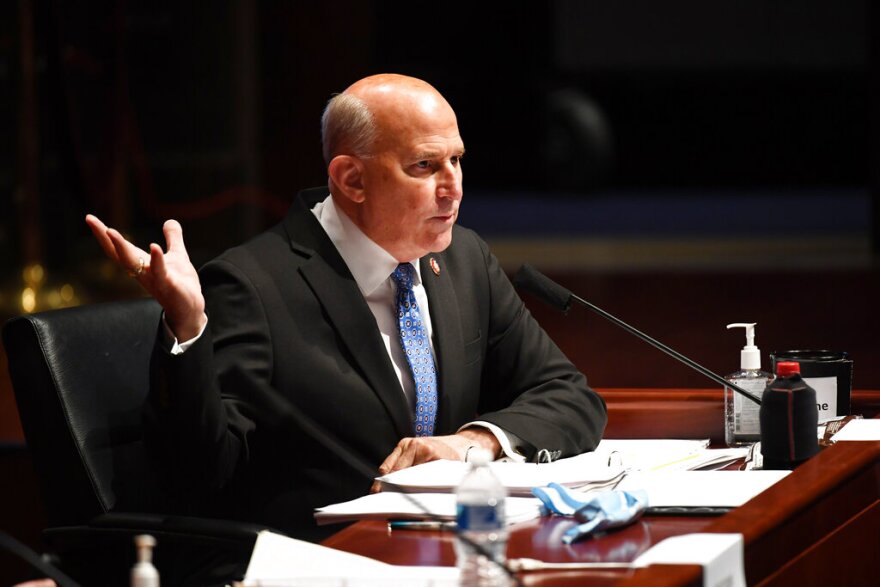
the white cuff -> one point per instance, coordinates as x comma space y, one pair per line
505, 439
172, 345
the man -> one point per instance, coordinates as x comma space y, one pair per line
306, 314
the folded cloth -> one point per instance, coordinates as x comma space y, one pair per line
598, 512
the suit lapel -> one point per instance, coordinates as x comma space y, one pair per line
337, 291
447, 337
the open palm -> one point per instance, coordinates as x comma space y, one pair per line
169, 277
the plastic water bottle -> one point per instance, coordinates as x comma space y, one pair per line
481, 521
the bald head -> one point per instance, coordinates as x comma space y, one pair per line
373, 110
379, 89
393, 153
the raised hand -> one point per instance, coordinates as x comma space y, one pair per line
169, 277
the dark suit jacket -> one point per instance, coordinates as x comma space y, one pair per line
287, 325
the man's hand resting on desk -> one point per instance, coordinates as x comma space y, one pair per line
415, 451
169, 277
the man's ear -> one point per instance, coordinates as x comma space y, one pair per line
347, 174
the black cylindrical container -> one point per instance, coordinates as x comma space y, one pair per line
789, 418
821, 369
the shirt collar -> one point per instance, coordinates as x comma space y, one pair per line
370, 264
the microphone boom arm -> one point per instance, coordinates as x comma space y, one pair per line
669, 351
554, 294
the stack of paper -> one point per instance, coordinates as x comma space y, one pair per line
705, 460
586, 471
595, 470
667, 454
434, 506
670, 471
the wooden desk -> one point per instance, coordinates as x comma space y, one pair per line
819, 526
540, 539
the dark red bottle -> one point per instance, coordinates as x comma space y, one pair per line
789, 418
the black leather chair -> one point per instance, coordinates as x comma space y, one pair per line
80, 377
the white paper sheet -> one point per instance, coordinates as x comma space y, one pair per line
861, 429
280, 561
701, 488
441, 506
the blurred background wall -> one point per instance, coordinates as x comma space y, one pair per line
683, 164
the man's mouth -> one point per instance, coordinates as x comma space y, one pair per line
450, 215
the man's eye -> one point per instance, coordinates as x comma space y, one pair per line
423, 165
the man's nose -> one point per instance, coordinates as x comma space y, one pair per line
449, 185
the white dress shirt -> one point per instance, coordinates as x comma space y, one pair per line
371, 266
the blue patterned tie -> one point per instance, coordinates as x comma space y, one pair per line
415, 344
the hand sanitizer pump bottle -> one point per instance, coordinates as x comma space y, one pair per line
741, 415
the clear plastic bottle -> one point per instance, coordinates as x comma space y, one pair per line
480, 518
741, 421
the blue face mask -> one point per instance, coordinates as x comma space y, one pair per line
597, 512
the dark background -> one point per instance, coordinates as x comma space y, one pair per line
209, 110
684, 164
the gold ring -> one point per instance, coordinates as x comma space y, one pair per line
136, 272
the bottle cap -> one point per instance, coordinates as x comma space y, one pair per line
144, 544
750, 355
786, 368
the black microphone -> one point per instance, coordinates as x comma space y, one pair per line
530, 279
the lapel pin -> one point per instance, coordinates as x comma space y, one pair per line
435, 266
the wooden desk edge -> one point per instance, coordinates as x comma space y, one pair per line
822, 497
687, 413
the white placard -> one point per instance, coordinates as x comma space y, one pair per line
721, 556
826, 395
